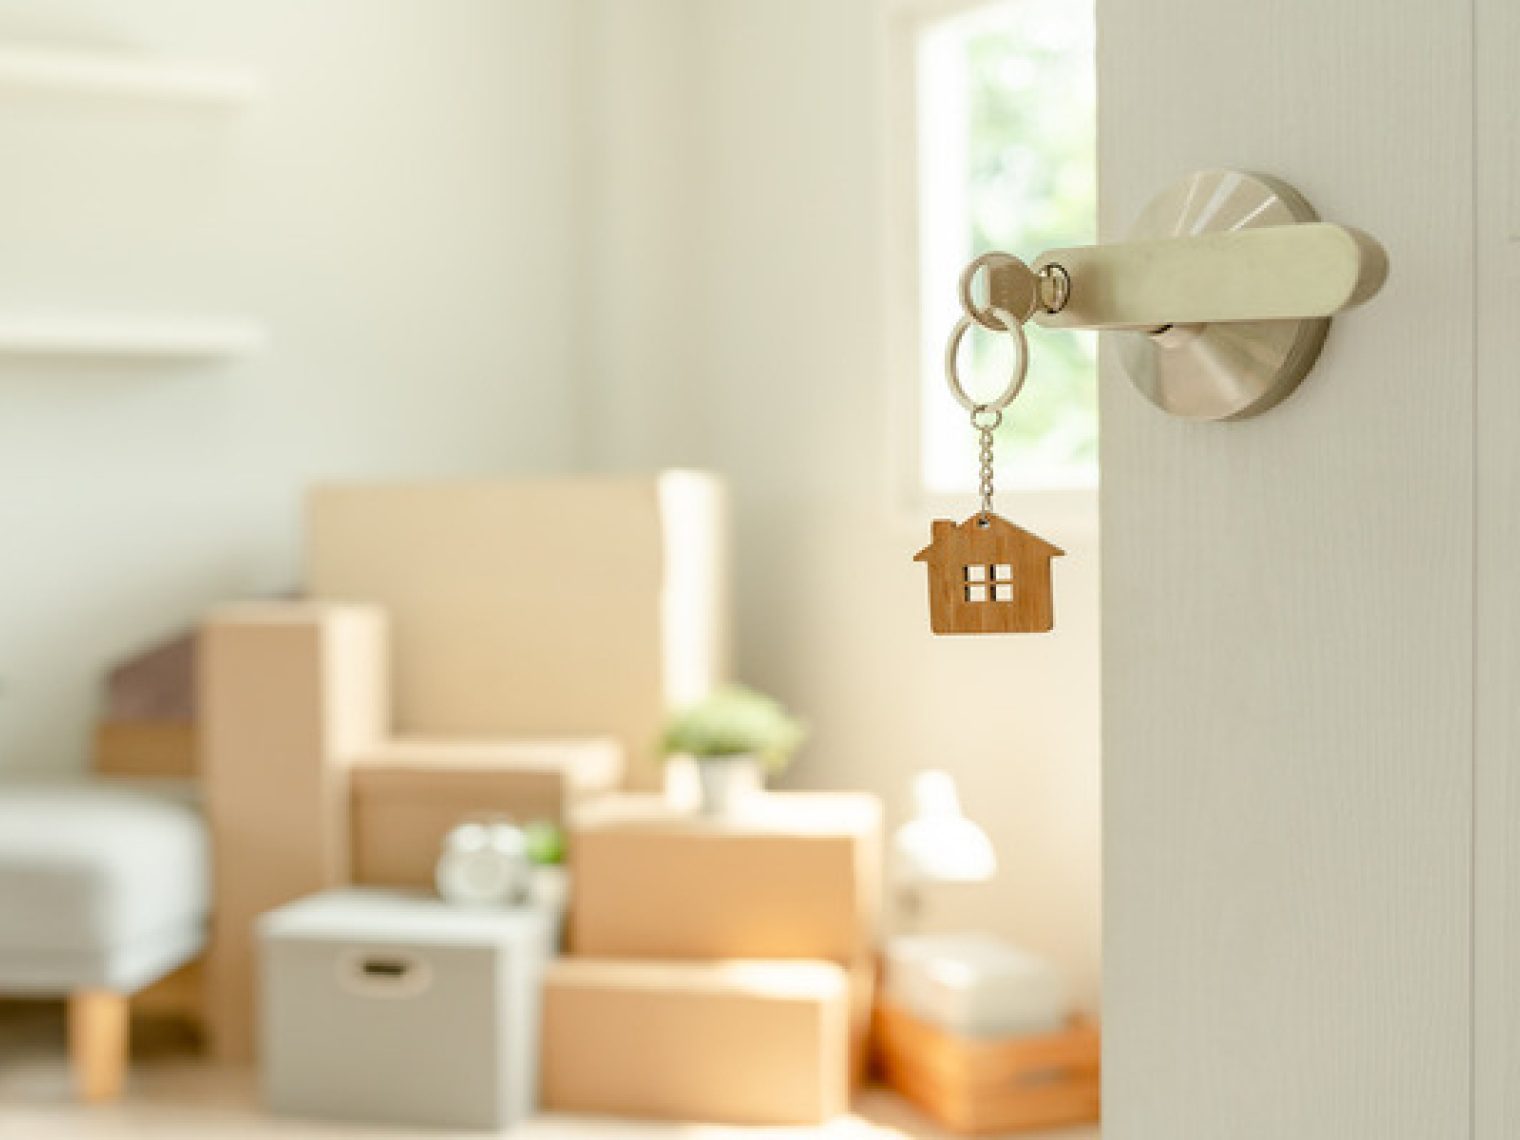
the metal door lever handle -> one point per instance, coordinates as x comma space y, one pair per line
1276, 273
1231, 274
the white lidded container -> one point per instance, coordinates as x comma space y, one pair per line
974, 984
398, 1008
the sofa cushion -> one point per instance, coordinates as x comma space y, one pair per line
99, 884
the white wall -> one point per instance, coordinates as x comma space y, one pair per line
443, 211
643, 191
768, 358
398, 208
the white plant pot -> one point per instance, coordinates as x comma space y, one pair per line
727, 783
549, 888
549, 892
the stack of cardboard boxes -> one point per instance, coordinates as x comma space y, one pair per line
306, 791
721, 968
507, 646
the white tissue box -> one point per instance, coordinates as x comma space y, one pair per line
974, 984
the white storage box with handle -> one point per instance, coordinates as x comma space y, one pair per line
974, 984
397, 1008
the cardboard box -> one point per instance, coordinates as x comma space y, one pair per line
409, 793
863, 982
725, 1042
147, 728
289, 692
795, 876
152, 748
536, 608
154, 684
982, 1085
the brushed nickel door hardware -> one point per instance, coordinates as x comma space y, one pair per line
1221, 297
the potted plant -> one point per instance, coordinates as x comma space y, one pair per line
548, 877
737, 737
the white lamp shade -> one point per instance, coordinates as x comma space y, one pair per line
939, 844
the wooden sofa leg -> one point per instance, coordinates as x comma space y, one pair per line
98, 1043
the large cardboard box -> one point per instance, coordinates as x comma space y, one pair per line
726, 1042
534, 608
409, 793
289, 692
796, 875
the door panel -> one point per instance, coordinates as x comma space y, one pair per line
1288, 608
1496, 926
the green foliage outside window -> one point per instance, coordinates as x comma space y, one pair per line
1032, 181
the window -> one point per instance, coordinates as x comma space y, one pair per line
992, 583
1006, 159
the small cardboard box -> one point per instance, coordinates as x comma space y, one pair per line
863, 988
723, 1042
796, 875
146, 748
409, 793
981, 1085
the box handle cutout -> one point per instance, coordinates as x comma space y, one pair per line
384, 973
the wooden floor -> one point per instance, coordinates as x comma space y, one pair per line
175, 1096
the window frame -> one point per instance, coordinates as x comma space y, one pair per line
1073, 508
990, 581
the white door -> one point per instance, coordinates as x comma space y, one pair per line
1312, 618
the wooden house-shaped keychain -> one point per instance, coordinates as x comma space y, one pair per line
987, 575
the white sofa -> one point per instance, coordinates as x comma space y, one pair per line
103, 890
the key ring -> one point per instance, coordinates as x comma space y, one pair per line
967, 283
1016, 376
1024, 291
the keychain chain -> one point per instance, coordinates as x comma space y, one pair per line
986, 416
987, 574
985, 421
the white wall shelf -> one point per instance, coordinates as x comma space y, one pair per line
185, 338
27, 68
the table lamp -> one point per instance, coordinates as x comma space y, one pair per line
938, 845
